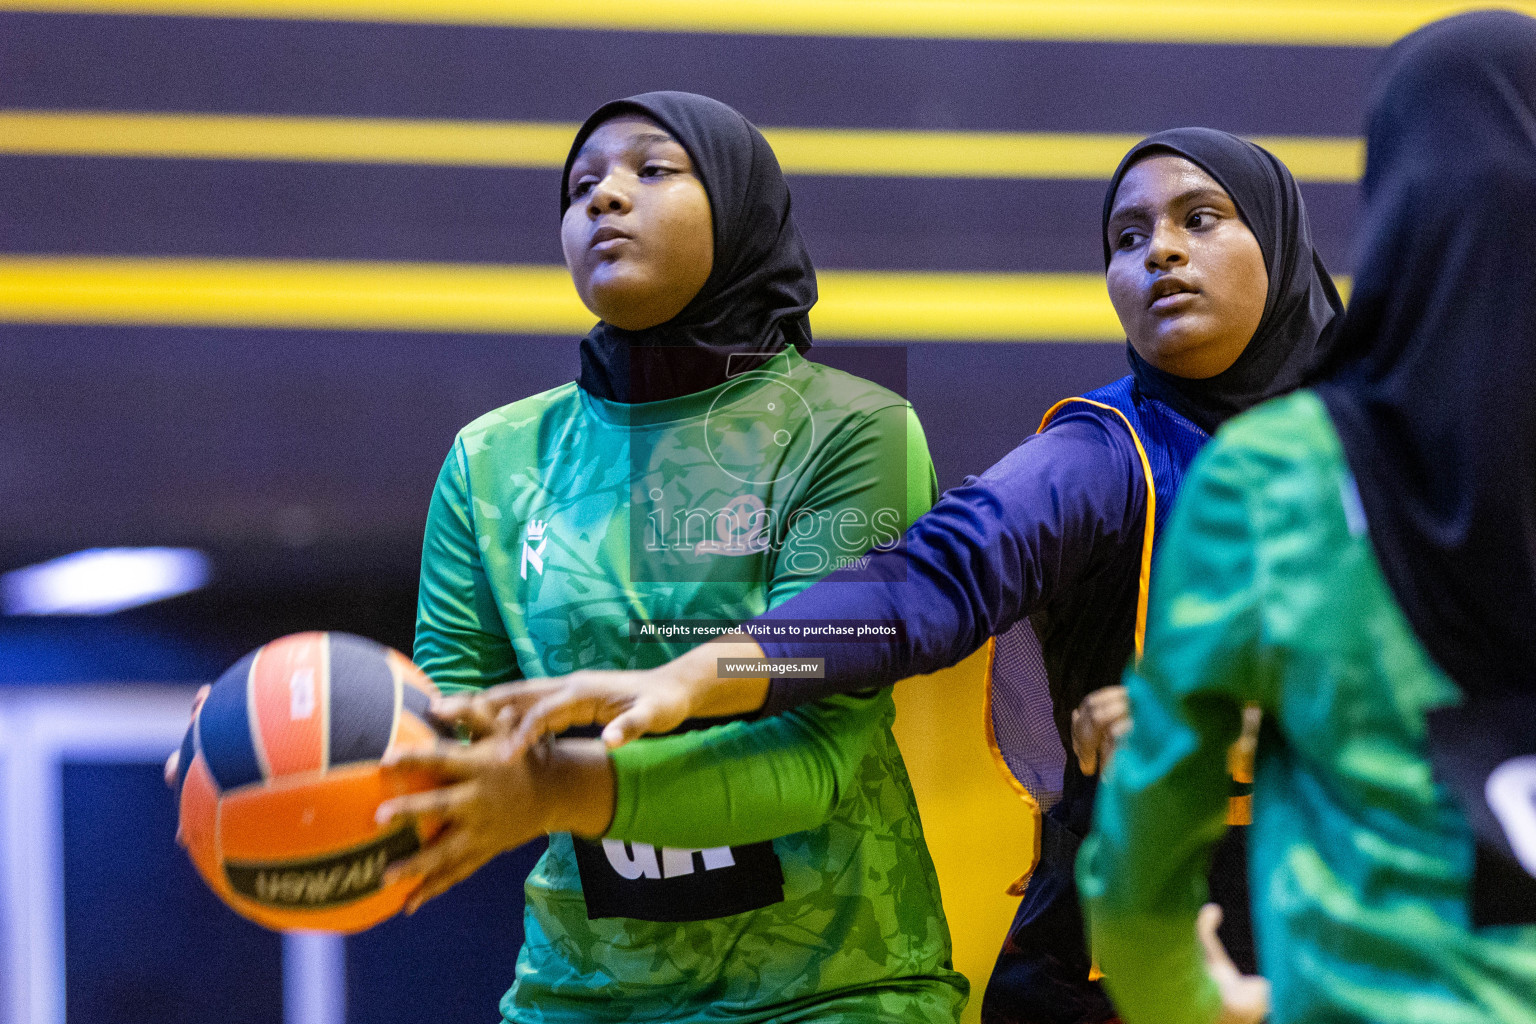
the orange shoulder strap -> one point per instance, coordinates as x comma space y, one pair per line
1143, 584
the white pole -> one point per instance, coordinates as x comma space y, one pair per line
314, 978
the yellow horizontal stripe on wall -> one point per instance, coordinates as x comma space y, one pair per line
964, 307
855, 152
290, 294
942, 154
303, 139
863, 305
1312, 22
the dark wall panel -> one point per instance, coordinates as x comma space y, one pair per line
464, 72
452, 959
486, 215
144, 938
234, 439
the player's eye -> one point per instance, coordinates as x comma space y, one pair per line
654, 170
582, 187
1201, 219
1127, 240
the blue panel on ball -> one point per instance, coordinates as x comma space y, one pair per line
362, 699
416, 702
184, 759
224, 729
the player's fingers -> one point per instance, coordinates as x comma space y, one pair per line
521, 695
1255, 991
440, 881
476, 712
454, 710
1111, 721
552, 716
1255, 998
1109, 742
1106, 750
1105, 696
1119, 727
1216, 959
441, 802
630, 725
1085, 739
448, 760
447, 847
503, 709
1109, 704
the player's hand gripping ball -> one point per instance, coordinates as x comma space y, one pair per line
279, 779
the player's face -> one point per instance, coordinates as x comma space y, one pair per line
638, 236
1186, 275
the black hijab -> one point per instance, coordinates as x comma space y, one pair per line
1433, 391
1302, 302
755, 300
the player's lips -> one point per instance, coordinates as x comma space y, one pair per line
1169, 293
608, 237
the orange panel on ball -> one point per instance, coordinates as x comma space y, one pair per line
199, 825
304, 852
290, 703
411, 733
302, 815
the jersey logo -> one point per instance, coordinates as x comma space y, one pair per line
642, 862
534, 543
648, 883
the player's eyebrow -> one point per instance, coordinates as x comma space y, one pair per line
634, 141
1141, 211
653, 137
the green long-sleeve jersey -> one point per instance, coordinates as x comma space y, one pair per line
768, 870
1267, 591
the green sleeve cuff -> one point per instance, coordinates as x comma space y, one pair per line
741, 783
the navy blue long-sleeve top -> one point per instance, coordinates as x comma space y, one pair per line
1054, 531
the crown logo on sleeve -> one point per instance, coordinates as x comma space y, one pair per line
534, 542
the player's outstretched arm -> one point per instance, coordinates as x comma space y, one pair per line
744, 782
735, 784
628, 703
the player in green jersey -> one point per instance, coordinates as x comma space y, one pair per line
700, 471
